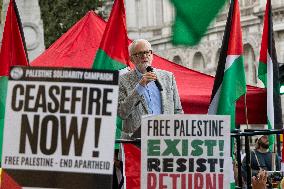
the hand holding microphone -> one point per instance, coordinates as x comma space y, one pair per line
150, 76
147, 77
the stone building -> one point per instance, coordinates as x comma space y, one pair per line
32, 25
152, 20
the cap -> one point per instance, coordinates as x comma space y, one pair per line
258, 137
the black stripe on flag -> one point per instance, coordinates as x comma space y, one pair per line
223, 53
20, 27
278, 123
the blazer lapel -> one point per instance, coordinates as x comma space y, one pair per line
163, 93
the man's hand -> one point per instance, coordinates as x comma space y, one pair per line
259, 182
147, 77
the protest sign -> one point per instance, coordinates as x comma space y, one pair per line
185, 152
60, 127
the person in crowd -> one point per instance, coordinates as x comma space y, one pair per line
145, 90
261, 158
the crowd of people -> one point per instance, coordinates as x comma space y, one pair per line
262, 161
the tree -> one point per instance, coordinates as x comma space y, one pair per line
59, 15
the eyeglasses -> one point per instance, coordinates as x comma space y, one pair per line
142, 53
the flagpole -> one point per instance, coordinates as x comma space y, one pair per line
246, 109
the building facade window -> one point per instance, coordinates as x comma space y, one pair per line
198, 62
249, 63
177, 60
159, 12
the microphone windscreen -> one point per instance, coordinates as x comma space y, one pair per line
149, 69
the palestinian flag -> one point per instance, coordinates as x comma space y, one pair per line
268, 71
13, 52
230, 82
131, 157
7, 182
113, 51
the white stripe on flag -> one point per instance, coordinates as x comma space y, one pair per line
124, 70
231, 168
122, 157
230, 60
270, 100
215, 101
212, 110
282, 166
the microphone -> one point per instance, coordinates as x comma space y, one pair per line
158, 84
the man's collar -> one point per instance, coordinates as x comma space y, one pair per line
139, 74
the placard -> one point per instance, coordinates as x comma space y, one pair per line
60, 124
185, 151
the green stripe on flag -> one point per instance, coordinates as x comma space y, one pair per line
184, 34
271, 138
3, 94
233, 87
262, 73
193, 18
118, 131
104, 62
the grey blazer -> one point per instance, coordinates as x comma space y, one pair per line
131, 106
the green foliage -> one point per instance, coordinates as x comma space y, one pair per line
59, 15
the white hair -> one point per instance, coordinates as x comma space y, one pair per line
135, 42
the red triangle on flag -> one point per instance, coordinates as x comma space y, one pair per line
235, 43
116, 33
13, 46
8, 182
132, 165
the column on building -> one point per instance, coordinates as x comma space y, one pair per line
29, 11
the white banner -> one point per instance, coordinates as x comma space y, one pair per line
185, 151
60, 120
